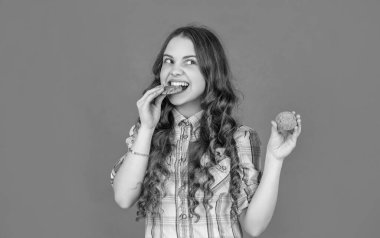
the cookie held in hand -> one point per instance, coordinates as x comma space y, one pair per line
286, 122
170, 89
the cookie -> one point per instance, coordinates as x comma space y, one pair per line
171, 90
286, 121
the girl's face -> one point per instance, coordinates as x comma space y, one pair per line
180, 64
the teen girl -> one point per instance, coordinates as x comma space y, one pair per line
191, 168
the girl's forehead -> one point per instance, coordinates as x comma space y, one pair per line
180, 46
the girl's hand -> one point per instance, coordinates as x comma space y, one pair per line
280, 146
149, 106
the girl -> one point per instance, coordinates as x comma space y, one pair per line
191, 168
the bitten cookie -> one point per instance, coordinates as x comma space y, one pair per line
171, 89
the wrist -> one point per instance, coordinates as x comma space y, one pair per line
273, 161
146, 130
271, 156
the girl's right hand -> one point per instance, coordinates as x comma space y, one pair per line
149, 106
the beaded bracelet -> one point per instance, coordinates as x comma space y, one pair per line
141, 154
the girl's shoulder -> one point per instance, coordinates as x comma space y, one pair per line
245, 131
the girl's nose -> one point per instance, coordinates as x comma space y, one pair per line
176, 71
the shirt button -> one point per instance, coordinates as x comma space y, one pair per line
185, 137
183, 216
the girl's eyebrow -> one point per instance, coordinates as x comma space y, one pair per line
185, 57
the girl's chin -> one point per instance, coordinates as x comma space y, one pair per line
182, 98
177, 96
176, 101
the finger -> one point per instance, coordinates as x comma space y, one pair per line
152, 96
297, 129
159, 100
149, 93
274, 127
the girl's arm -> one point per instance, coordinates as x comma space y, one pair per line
257, 216
261, 208
128, 179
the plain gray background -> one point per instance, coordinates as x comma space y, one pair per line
71, 72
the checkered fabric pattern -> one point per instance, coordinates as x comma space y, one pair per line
175, 220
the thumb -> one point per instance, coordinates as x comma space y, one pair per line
274, 126
275, 132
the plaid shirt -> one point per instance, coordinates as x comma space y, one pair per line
176, 221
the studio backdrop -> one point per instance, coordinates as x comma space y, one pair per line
72, 71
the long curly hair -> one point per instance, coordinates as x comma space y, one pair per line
217, 128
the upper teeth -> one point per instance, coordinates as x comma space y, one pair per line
179, 84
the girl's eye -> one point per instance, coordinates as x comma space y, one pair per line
191, 62
167, 60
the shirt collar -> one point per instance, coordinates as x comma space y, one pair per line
194, 120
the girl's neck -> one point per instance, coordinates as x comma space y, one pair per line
188, 111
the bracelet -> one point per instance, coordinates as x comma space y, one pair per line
141, 154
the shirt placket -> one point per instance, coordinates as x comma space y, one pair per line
181, 184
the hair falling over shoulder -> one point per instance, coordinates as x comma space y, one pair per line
216, 129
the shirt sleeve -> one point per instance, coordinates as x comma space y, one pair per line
129, 142
249, 150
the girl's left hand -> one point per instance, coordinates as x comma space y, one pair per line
278, 146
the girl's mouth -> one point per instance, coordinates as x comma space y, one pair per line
184, 85
174, 87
